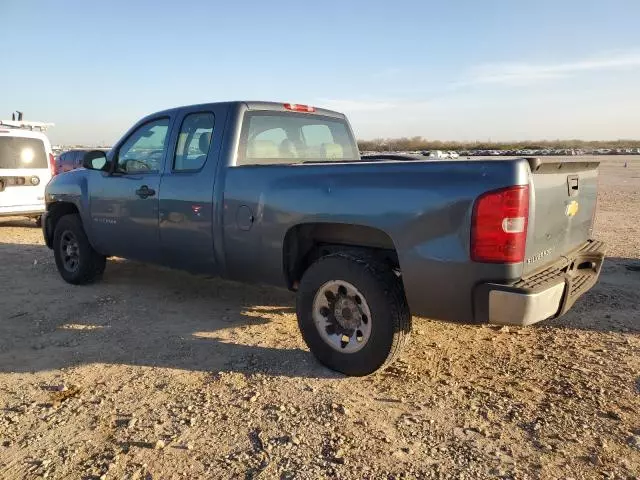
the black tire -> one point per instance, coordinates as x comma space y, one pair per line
90, 264
384, 295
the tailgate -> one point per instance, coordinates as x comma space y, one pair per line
562, 210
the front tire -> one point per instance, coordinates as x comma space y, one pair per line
352, 314
77, 261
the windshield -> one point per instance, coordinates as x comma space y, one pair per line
21, 152
277, 138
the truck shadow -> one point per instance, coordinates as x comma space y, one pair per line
144, 315
612, 305
21, 222
150, 316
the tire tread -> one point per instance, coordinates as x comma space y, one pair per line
92, 266
394, 298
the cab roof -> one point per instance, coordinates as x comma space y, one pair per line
256, 105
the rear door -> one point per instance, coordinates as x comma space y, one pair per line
562, 212
124, 203
187, 209
24, 173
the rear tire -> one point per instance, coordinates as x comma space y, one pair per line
342, 295
77, 261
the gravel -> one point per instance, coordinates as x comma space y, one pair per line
169, 375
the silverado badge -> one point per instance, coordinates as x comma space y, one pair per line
572, 209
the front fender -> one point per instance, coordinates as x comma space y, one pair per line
66, 194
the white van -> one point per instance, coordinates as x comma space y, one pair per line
26, 166
439, 154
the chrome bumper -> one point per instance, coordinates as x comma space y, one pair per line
545, 294
512, 308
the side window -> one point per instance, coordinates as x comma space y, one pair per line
142, 152
194, 141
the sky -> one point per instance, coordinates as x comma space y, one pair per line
446, 70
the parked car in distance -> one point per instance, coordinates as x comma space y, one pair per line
278, 194
439, 154
26, 166
71, 159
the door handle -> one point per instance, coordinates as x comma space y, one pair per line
144, 192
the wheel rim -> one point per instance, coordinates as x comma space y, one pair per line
69, 251
342, 316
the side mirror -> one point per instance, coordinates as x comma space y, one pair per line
95, 160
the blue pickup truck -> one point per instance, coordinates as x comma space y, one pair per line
278, 194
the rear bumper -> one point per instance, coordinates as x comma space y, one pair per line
545, 294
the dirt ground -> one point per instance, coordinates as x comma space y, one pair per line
154, 373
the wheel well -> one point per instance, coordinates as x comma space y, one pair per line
54, 213
304, 244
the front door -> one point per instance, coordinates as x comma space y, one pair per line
124, 203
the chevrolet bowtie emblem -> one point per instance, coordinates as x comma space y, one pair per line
572, 209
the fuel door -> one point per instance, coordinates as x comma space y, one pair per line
244, 218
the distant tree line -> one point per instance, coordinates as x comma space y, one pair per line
420, 143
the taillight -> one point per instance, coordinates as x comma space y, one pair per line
299, 108
52, 165
499, 225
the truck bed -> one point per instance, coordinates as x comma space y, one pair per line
424, 207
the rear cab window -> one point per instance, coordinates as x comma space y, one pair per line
22, 152
272, 138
